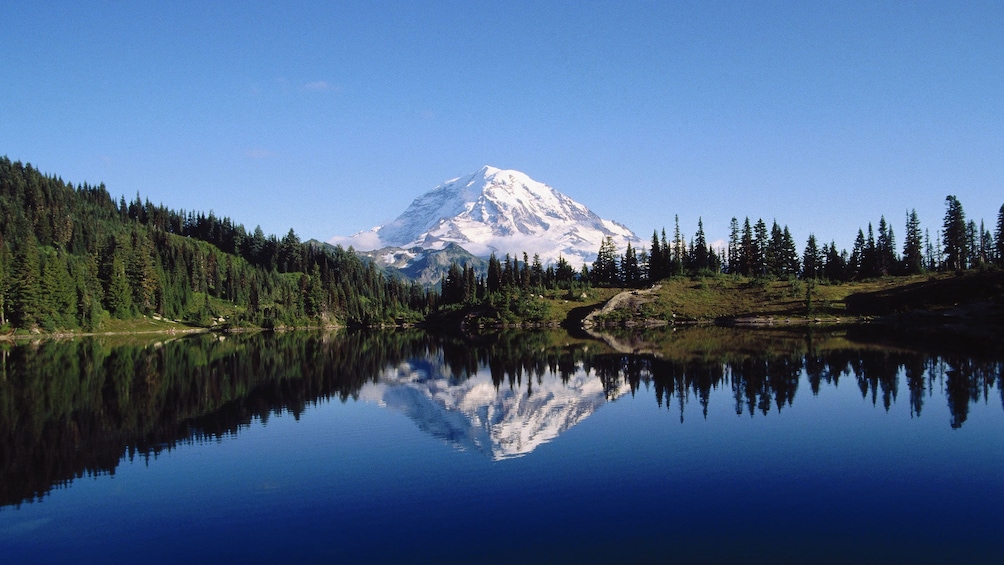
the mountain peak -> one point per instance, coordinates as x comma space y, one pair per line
501, 211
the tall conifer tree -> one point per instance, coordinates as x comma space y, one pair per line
760, 243
654, 260
699, 249
747, 250
954, 235
913, 256
1000, 236
812, 259
732, 253
26, 291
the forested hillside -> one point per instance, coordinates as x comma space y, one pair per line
71, 257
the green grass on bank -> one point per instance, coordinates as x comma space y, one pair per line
735, 298
562, 307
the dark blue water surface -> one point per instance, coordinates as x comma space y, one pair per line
539, 448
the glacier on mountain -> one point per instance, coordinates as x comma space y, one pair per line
500, 211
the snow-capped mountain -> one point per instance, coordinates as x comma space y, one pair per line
473, 415
501, 211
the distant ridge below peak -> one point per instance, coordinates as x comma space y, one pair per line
498, 211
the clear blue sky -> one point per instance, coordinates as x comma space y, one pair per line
330, 117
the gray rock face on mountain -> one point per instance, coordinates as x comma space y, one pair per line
425, 266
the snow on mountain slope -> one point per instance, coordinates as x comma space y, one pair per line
474, 415
501, 211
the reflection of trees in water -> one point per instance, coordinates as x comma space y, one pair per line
765, 380
877, 371
757, 384
968, 381
72, 408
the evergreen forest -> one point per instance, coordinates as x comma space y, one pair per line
71, 258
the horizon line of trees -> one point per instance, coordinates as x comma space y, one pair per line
756, 252
71, 257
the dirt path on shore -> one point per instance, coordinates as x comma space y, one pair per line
627, 299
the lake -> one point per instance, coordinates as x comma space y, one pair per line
710, 444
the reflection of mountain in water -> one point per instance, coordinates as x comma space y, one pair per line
472, 414
71, 408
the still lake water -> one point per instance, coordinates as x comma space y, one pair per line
731, 446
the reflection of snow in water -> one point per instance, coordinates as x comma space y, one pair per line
471, 415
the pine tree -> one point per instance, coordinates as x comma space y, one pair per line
6, 259
732, 254
524, 273
760, 243
508, 274
290, 253
679, 249
774, 251
913, 258
58, 297
118, 295
699, 250
986, 245
972, 244
954, 235
790, 264
999, 237
812, 259
26, 291
142, 274
855, 265
563, 273
869, 257
470, 285
604, 269
885, 250
453, 285
747, 250
494, 274
654, 260
536, 271
630, 272
930, 257
665, 259
88, 290
836, 264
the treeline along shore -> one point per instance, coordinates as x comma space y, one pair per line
73, 259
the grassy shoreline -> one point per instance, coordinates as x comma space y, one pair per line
970, 302
739, 300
